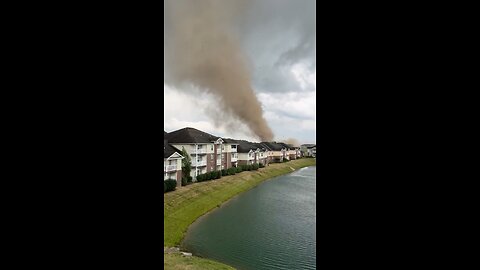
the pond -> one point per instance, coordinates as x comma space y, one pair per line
271, 226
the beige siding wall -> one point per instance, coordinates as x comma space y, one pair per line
244, 157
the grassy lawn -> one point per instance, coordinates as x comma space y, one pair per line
180, 262
184, 205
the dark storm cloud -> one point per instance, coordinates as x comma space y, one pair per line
275, 35
278, 34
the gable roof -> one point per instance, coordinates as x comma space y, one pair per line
169, 150
230, 141
190, 135
309, 145
284, 145
260, 146
273, 146
245, 147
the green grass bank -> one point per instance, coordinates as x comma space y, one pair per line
184, 205
180, 262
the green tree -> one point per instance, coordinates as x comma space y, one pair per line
186, 163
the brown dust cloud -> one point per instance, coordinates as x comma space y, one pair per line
202, 49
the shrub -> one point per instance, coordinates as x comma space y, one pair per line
170, 185
224, 172
208, 176
186, 162
238, 169
200, 177
261, 165
184, 181
164, 187
231, 171
189, 179
218, 175
255, 166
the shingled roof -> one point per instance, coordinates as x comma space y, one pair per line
290, 147
168, 149
190, 135
273, 146
245, 147
309, 145
231, 141
260, 146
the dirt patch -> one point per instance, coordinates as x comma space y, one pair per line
171, 250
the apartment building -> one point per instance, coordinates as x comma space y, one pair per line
292, 152
298, 152
208, 152
261, 154
172, 163
276, 151
247, 153
309, 150
230, 153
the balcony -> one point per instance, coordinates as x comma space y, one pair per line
199, 163
170, 168
199, 151
219, 161
234, 159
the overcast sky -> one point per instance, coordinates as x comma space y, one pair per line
278, 38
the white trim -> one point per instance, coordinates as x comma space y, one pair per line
175, 156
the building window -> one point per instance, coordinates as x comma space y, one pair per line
211, 147
234, 147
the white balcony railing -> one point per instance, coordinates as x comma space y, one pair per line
200, 151
234, 159
199, 163
219, 161
170, 168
